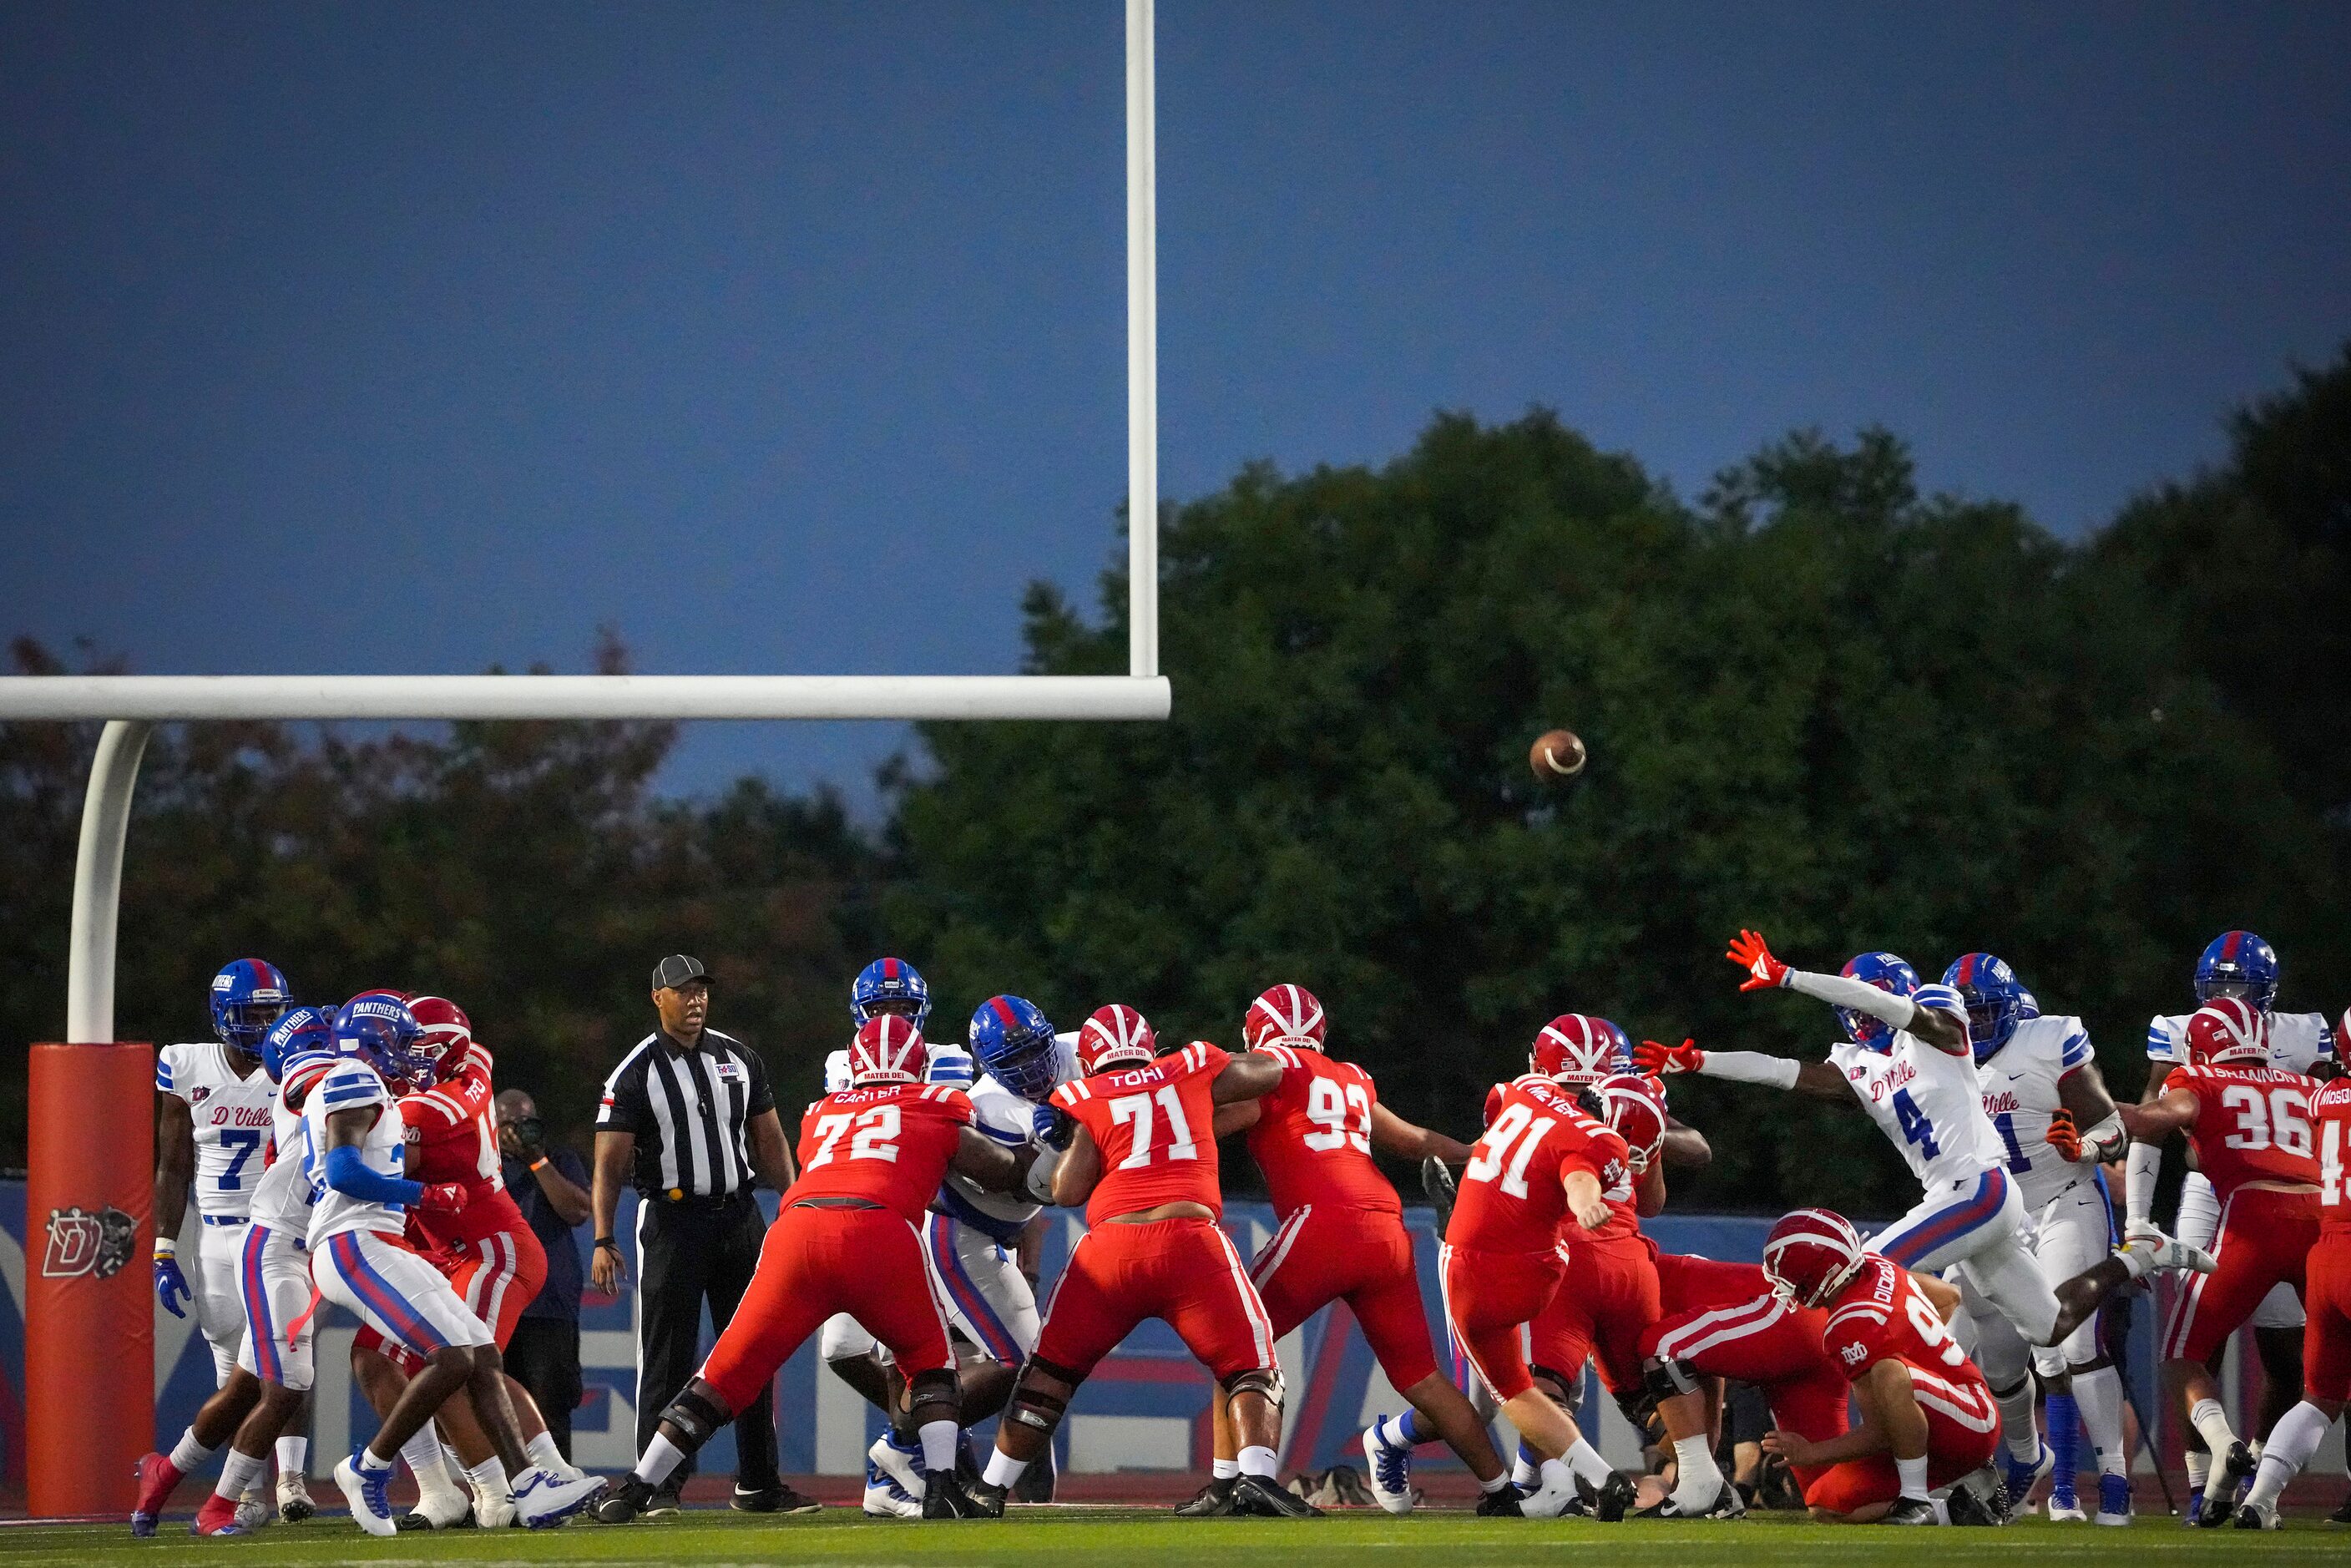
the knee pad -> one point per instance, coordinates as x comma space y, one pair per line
936, 1387
1664, 1380
1639, 1410
1264, 1380
1032, 1407
696, 1415
1566, 1391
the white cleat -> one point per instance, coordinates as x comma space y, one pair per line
294, 1504
546, 1501
495, 1512
885, 1498
1390, 1471
899, 1466
2157, 1250
371, 1509
1548, 1502
252, 1513
442, 1507
2061, 1512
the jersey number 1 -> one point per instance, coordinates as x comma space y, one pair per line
1515, 1125
1137, 1108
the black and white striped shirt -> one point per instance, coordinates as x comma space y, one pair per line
687, 1111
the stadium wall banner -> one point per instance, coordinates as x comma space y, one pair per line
1146, 1409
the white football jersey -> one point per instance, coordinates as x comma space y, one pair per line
1008, 1119
352, 1086
2020, 1093
231, 1116
281, 1199
1929, 1102
2297, 1040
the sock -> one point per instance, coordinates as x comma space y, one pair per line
1914, 1476
1225, 1470
1699, 1481
939, 1440
1553, 1476
293, 1457
2200, 1465
187, 1453
1408, 1429
660, 1458
2016, 1427
1942, 1509
2064, 1442
422, 1453
489, 1478
2098, 1395
1258, 1460
545, 1454
239, 1471
1489, 1487
1585, 1462
370, 1460
2291, 1441
1526, 1470
1004, 1470
2212, 1425
2254, 1449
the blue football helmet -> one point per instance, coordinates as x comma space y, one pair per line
380, 1031
1620, 1045
303, 1033
1994, 998
1887, 973
886, 981
1014, 1043
248, 995
2238, 963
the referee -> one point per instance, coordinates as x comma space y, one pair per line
689, 1118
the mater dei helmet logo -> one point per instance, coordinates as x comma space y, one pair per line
82, 1243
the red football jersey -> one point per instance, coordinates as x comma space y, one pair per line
452, 1129
1313, 1135
2330, 1109
1622, 1196
2252, 1123
1512, 1197
1155, 1127
886, 1143
1881, 1313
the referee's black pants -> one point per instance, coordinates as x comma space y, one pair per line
687, 1252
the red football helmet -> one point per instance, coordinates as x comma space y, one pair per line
1811, 1254
1576, 1051
447, 1030
888, 1050
1635, 1108
1285, 1013
2229, 1029
1115, 1036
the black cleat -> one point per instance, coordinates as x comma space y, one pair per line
2341, 1515
1728, 1504
2253, 1516
1255, 1497
1213, 1501
2223, 1486
945, 1497
624, 1498
1501, 1504
1615, 1496
980, 1500
1036, 1483
1967, 1508
776, 1499
666, 1503
1909, 1510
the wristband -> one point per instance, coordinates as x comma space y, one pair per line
604, 1241
166, 1248
539, 1164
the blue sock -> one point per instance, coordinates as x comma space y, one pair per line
2064, 1441
1407, 1427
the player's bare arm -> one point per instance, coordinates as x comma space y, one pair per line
175, 1161
1890, 1420
1650, 1196
1079, 1172
1238, 1117
1246, 1077
995, 1167
2088, 1127
1946, 1030
1942, 1296
2171, 1112
1392, 1135
1584, 1200
1686, 1146
614, 1150
771, 1155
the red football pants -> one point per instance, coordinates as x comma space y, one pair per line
1181, 1272
2326, 1338
497, 1277
1962, 1431
867, 1263
1359, 1256
1608, 1295
1488, 1297
1771, 1343
2264, 1239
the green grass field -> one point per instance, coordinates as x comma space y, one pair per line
1126, 1538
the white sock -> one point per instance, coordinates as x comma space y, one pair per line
2016, 1427
1914, 1476
1003, 1470
1497, 1484
1585, 1462
371, 1460
2254, 1449
489, 1478
1699, 1481
187, 1453
546, 1455
293, 1457
1525, 1473
940, 1440
422, 1453
2212, 1425
2291, 1441
1224, 1470
2199, 1468
238, 1471
660, 1457
2098, 1394
1258, 1460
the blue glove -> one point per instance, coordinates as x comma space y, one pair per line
168, 1282
1055, 1127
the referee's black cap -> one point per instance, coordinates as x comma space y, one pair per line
676, 970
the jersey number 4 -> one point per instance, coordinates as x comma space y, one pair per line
1916, 1128
1514, 1137
877, 1130
1137, 1108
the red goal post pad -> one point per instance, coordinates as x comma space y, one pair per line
89, 1313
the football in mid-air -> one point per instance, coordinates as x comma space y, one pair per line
1557, 754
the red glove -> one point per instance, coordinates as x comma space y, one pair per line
1764, 972
2065, 1138
1656, 1061
441, 1198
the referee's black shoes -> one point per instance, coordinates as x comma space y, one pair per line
776, 1499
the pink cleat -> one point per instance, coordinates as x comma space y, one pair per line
157, 1475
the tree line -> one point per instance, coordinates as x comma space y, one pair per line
1817, 701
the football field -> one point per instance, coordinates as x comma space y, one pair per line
1122, 1538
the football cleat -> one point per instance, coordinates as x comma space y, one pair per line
885, 1498
624, 1498
946, 1499
294, 1504
1501, 1504
156, 1476
986, 1501
2066, 1507
1037, 1483
1548, 1502
2253, 1516
367, 1492
1615, 1498
252, 1514
2195, 1506
2223, 1486
438, 1507
219, 1516
2159, 1251
1909, 1510
776, 1499
2018, 1478
1390, 1471
1966, 1506
666, 1503
1727, 1504
545, 1500
500, 1512
904, 1465
1257, 1497
2341, 1515
1213, 1501
2114, 1499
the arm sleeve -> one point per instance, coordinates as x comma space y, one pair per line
1840, 992
2138, 1182
1756, 1066
348, 1172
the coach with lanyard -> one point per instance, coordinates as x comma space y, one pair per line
689, 1118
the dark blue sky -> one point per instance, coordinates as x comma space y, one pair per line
790, 338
